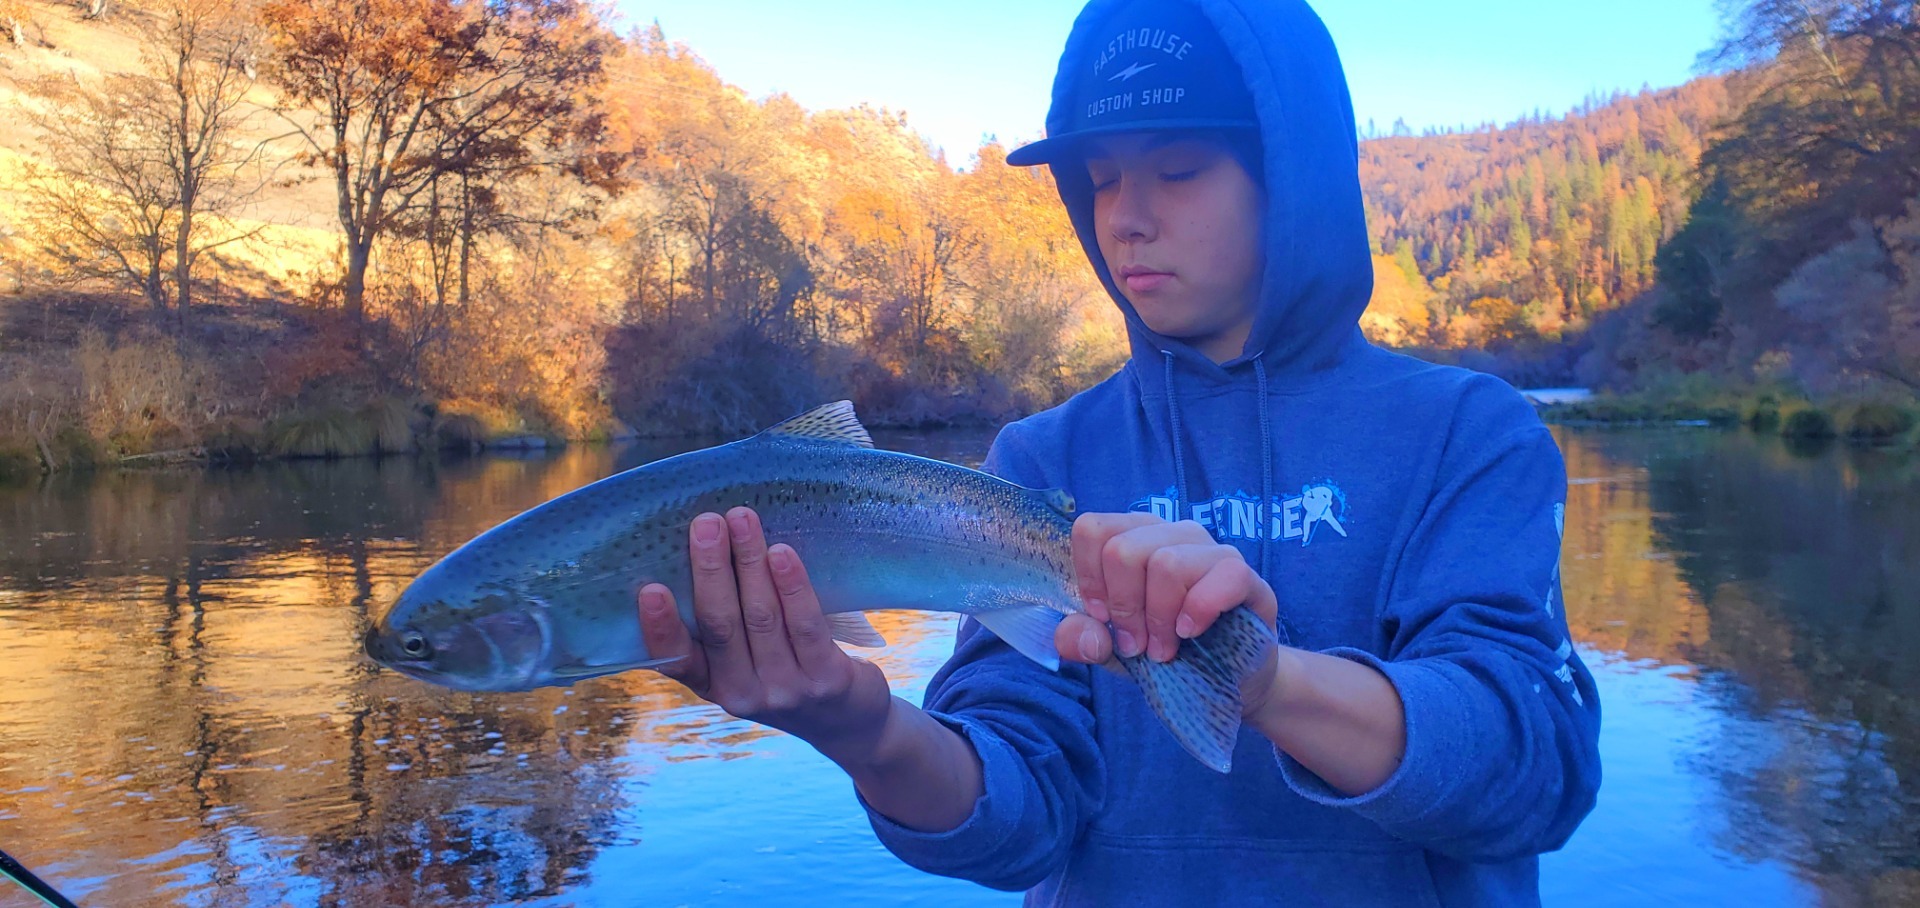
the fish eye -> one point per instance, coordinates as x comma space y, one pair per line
415, 645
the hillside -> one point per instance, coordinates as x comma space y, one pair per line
1527, 232
291, 219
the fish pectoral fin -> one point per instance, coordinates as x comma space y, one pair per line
854, 629
578, 671
1026, 628
831, 422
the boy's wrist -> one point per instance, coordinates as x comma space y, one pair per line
863, 750
1265, 708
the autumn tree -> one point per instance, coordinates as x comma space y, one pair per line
1030, 310
151, 162
1400, 310
393, 96
14, 17
1856, 309
1827, 133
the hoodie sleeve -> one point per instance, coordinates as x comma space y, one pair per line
1502, 719
1033, 729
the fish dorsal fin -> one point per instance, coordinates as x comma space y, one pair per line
832, 422
1058, 499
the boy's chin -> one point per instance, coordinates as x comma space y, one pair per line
1218, 343
1185, 330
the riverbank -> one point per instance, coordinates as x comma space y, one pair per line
1888, 420
94, 381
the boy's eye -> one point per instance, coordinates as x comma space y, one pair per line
1103, 183
1181, 176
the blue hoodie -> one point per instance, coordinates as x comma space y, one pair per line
1408, 516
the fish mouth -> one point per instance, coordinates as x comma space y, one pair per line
380, 649
529, 635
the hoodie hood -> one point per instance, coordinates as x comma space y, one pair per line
1319, 272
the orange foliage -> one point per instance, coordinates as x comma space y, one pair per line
1562, 216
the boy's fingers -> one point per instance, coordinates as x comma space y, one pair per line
666, 637
807, 629
1124, 565
1080, 638
1226, 585
716, 605
1090, 535
1171, 572
759, 603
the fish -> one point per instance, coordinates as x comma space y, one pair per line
549, 597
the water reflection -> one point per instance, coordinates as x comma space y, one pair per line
185, 718
1781, 589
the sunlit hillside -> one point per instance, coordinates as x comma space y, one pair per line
295, 239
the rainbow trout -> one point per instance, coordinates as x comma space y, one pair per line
550, 596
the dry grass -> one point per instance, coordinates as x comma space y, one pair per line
141, 394
332, 432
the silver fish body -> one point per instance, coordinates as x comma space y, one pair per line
550, 596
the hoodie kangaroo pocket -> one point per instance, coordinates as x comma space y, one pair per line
1163, 870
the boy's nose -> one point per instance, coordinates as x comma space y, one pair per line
1130, 219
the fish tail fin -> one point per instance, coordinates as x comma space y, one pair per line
1197, 695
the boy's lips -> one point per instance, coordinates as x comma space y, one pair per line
1143, 280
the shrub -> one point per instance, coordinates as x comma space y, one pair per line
458, 423
18, 462
1762, 414
238, 438
458, 431
332, 432
391, 420
1877, 421
1808, 422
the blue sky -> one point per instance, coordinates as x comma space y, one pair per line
964, 70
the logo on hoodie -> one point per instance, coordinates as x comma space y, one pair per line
1319, 512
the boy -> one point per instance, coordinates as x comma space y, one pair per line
1424, 730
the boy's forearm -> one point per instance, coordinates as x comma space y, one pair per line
1339, 718
918, 772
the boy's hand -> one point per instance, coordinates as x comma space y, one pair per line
1157, 583
765, 651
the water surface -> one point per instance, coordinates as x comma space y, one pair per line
185, 718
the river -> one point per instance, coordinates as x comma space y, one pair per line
185, 717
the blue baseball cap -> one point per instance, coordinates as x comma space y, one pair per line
1162, 67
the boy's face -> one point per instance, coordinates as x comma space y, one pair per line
1178, 220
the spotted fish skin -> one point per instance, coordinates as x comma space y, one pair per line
549, 597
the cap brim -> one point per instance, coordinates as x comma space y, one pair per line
1066, 146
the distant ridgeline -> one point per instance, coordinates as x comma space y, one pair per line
1500, 236
1757, 230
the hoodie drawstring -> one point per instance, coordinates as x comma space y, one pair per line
1266, 470
1179, 445
1266, 454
